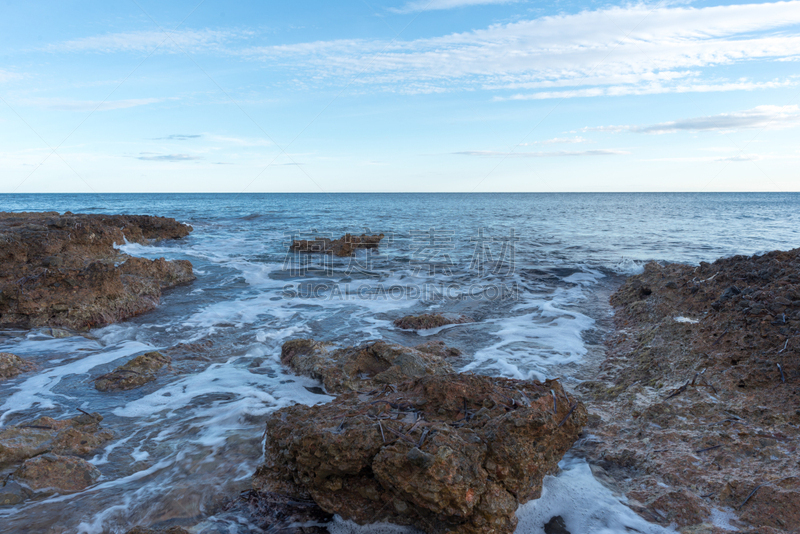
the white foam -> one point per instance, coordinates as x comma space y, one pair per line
681, 319
586, 506
722, 519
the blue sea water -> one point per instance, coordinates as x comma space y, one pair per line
533, 270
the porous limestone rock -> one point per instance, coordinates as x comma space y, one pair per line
136, 373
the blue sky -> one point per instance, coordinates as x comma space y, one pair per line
399, 95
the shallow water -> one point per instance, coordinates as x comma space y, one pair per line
535, 271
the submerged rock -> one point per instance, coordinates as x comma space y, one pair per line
11, 365
444, 453
272, 512
77, 436
59, 473
428, 320
366, 366
64, 270
136, 373
342, 247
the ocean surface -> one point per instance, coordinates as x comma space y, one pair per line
533, 270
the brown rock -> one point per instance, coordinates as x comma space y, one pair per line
444, 453
11, 365
428, 320
136, 373
342, 247
64, 271
366, 366
61, 473
77, 436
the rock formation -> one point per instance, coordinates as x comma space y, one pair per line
56, 473
342, 247
428, 320
697, 406
445, 452
366, 366
12, 365
136, 373
63, 270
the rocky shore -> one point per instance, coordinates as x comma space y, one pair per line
695, 413
64, 270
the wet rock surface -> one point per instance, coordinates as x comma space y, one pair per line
57, 473
365, 366
12, 365
697, 405
136, 373
444, 453
77, 436
63, 270
342, 247
170, 530
428, 320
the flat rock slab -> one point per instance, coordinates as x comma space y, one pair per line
342, 247
367, 366
77, 436
64, 270
12, 365
136, 373
59, 473
444, 453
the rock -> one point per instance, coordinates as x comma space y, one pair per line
77, 436
427, 320
64, 272
342, 247
11, 365
272, 512
366, 366
444, 453
60, 473
136, 373
13, 493
556, 525
696, 415
170, 530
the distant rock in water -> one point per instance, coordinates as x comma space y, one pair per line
63, 270
428, 320
12, 365
366, 366
77, 436
450, 453
342, 247
136, 373
697, 406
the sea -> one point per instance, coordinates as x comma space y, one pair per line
533, 271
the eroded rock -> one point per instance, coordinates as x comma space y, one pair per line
59, 473
428, 320
136, 373
342, 247
445, 453
366, 366
12, 365
77, 436
64, 270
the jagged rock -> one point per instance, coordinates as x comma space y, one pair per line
11, 365
63, 271
428, 320
703, 369
60, 473
77, 436
342, 247
136, 373
366, 366
444, 453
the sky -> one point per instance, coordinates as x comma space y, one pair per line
399, 95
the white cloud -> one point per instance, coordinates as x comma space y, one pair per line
620, 50
558, 140
560, 153
62, 104
146, 41
150, 156
6, 76
431, 5
772, 117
